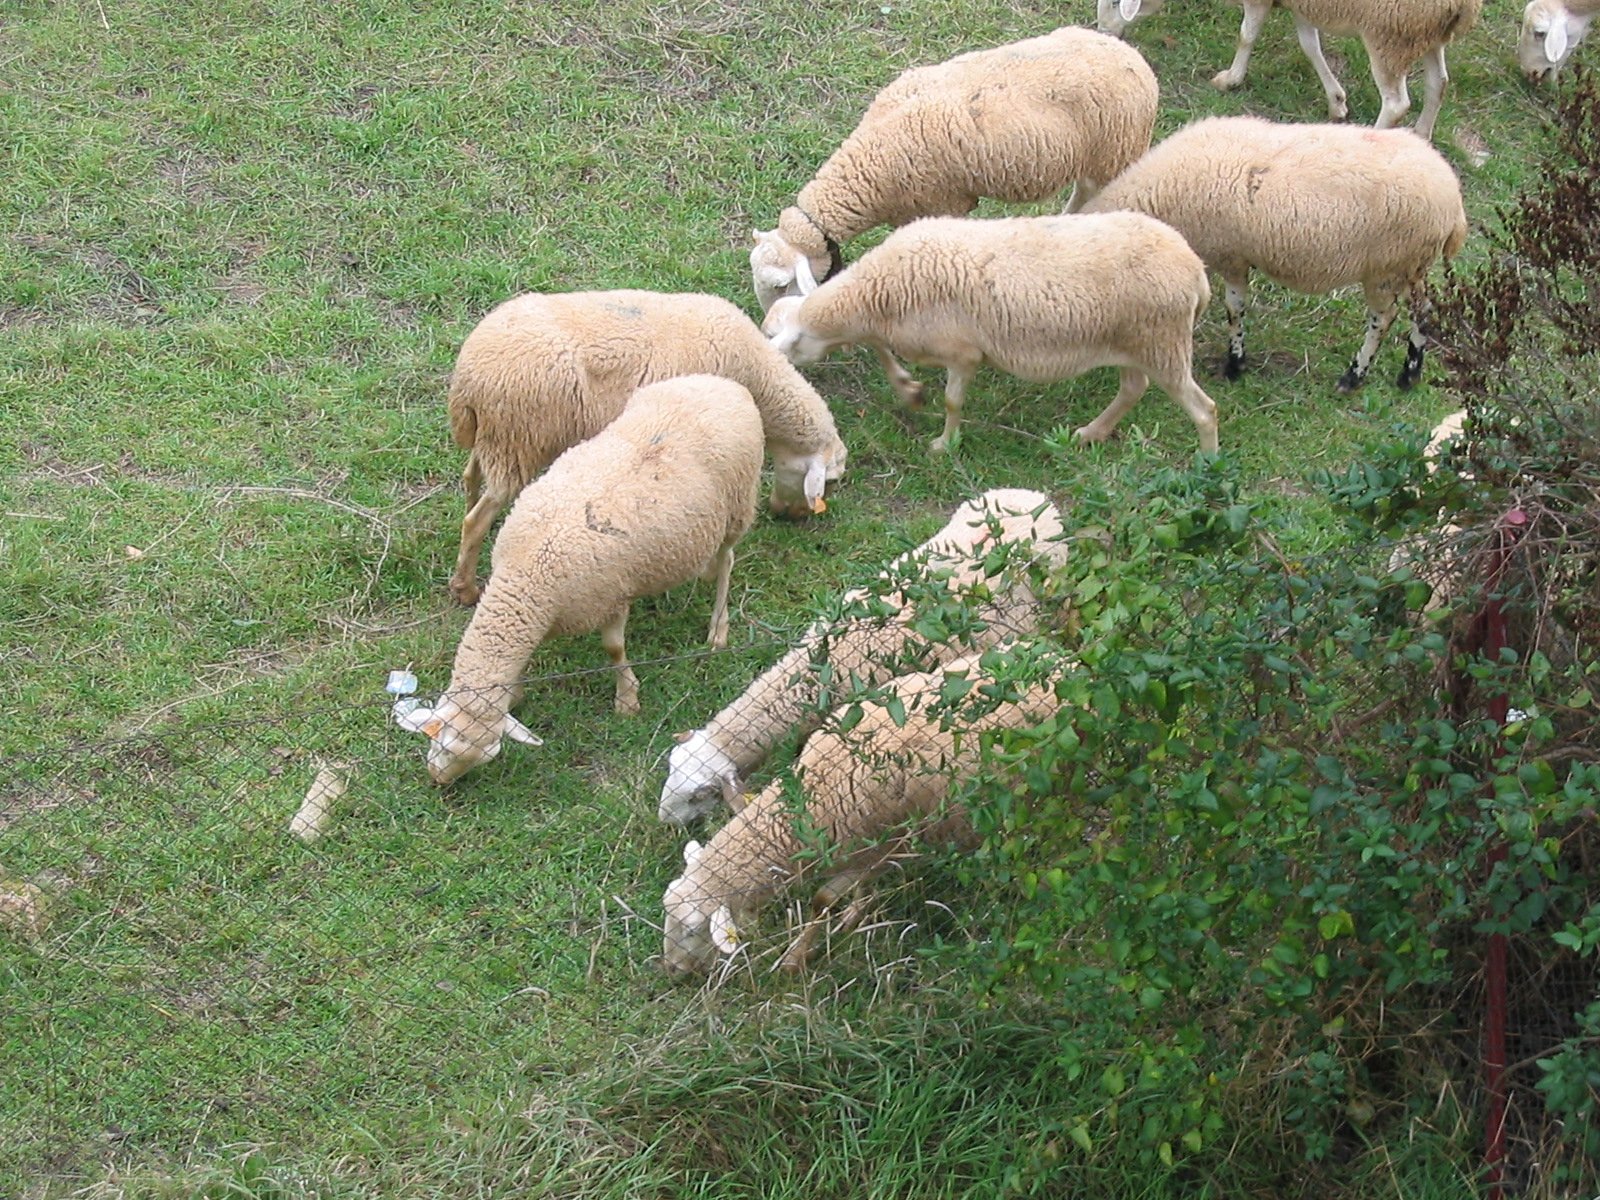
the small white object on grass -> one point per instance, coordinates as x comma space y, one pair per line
401, 683
316, 810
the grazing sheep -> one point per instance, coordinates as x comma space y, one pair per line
543, 372
710, 763
1396, 33
1551, 31
658, 497
869, 791
1019, 122
1043, 298
1314, 207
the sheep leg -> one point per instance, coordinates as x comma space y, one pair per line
717, 639
1235, 293
1083, 191
1255, 16
1311, 46
472, 479
1415, 342
1192, 399
474, 528
1378, 321
907, 388
1392, 87
612, 638
956, 379
1435, 80
1134, 383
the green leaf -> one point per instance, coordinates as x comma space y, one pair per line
1080, 1135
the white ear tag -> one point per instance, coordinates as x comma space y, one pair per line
518, 732
723, 935
1555, 42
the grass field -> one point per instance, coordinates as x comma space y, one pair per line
242, 244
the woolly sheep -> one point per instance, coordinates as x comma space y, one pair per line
1019, 122
543, 372
658, 497
1395, 33
1551, 31
711, 762
1043, 298
868, 791
1314, 207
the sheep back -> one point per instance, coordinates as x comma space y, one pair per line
1312, 206
1402, 33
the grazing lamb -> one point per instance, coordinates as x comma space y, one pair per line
1019, 122
1314, 207
543, 372
1551, 31
1396, 33
869, 791
710, 763
1043, 298
658, 497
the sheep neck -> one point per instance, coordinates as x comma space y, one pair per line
506, 628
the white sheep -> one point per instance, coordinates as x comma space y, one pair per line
1313, 207
1019, 122
1043, 298
869, 791
1551, 31
790, 696
658, 497
543, 372
1396, 33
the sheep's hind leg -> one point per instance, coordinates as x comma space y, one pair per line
717, 639
1255, 16
474, 528
1435, 79
1392, 87
907, 388
612, 638
1134, 383
1235, 293
1378, 322
956, 380
1311, 46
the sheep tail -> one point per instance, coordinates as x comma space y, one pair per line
463, 422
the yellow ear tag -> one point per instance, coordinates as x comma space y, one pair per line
434, 727
819, 505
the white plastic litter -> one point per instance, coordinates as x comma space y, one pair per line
401, 683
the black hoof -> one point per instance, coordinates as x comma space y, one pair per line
1232, 367
1408, 379
1350, 382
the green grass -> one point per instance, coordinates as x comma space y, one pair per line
242, 245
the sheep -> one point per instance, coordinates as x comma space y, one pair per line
710, 763
1019, 122
1314, 207
867, 789
658, 497
1395, 33
1551, 31
1043, 298
542, 372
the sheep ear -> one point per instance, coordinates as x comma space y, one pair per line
816, 483
723, 934
1555, 42
417, 718
730, 788
691, 851
1128, 9
518, 732
683, 737
803, 275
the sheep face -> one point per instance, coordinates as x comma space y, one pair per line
1116, 15
698, 775
696, 925
778, 268
791, 338
459, 738
798, 482
1547, 39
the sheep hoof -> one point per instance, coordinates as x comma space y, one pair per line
1089, 434
911, 395
1408, 378
1232, 367
1224, 81
464, 591
944, 445
1349, 382
628, 706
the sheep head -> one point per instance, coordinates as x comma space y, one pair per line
1547, 39
460, 736
698, 775
697, 924
1115, 16
788, 334
798, 483
780, 268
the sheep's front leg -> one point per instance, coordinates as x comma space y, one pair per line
1378, 321
717, 639
1391, 81
612, 638
956, 379
1435, 79
474, 528
1235, 294
907, 388
1134, 383
1255, 16
1311, 45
